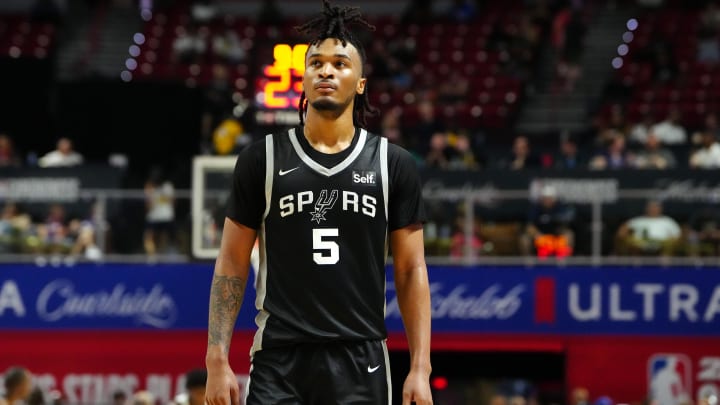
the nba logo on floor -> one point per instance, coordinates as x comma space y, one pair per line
669, 378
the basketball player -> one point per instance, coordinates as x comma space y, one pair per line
326, 199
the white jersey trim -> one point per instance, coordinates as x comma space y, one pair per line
387, 371
320, 168
261, 282
385, 180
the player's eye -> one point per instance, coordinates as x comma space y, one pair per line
340, 63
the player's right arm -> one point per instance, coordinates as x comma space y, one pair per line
232, 268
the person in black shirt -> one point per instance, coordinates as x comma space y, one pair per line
548, 231
326, 200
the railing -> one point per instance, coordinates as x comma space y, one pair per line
118, 218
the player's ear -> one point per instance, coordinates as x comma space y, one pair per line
360, 88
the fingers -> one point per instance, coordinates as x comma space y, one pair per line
407, 397
410, 398
235, 395
218, 400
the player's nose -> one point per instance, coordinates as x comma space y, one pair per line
326, 70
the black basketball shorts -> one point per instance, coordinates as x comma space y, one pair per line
330, 373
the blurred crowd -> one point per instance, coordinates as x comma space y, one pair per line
424, 120
19, 388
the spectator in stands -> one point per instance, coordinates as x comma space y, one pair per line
569, 69
53, 233
498, 399
704, 231
64, 155
15, 226
190, 45
616, 120
8, 157
390, 126
522, 156
652, 233
459, 242
670, 131
568, 157
227, 47
18, 385
160, 213
549, 227
580, 396
710, 125
427, 126
143, 398
36, 397
654, 155
203, 11
119, 397
217, 104
462, 156
83, 234
707, 156
195, 381
438, 156
615, 156
639, 131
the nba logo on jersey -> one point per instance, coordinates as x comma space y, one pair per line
669, 378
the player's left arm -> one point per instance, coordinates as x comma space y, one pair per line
413, 293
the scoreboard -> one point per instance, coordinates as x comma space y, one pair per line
279, 87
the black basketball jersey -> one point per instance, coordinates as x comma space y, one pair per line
323, 241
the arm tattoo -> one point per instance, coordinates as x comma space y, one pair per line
226, 295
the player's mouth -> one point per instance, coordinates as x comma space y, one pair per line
325, 87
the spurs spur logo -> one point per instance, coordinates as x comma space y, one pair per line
323, 204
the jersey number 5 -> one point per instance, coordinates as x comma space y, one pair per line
330, 251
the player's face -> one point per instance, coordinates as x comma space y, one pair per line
333, 75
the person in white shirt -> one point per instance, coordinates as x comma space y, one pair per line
649, 234
670, 132
62, 156
708, 155
160, 214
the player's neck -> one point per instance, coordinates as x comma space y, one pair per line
328, 135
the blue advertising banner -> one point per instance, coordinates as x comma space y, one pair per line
569, 300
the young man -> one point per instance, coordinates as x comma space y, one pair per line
326, 200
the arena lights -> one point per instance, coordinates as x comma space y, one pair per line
632, 24
627, 37
131, 64
623, 49
146, 9
135, 51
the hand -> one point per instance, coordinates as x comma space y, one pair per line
417, 389
222, 387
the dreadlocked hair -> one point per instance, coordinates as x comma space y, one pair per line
333, 23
